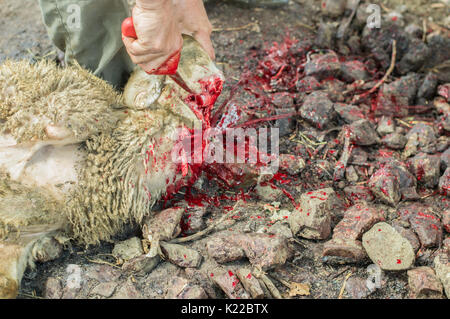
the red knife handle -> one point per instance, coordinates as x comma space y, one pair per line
169, 67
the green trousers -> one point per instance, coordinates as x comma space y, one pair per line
89, 31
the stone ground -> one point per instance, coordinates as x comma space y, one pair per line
236, 31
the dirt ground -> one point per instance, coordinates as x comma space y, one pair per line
236, 31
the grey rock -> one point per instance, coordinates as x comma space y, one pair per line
128, 249
105, 289
387, 248
317, 109
181, 256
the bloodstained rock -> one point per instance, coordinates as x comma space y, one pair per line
424, 284
386, 186
357, 220
444, 182
268, 193
426, 168
250, 283
291, 164
358, 193
308, 84
181, 256
312, 219
317, 109
444, 91
446, 220
394, 98
424, 222
349, 113
286, 125
165, 225
345, 242
193, 221
363, 133
386, 125
323, 66
354, 71
387, 248
230, 285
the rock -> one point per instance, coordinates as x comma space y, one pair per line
323, 66
230, 285
317, 109
326, 35
286, 125
264, 251
282, 100
363, 133
127, 291
424, 284
427, 89
444, 182
414, 30
268, 193
308, 84
281, 229
349, 113
424, 222
223, 249
128, 249
357, 220
104, 289
426, 168
445, 159
421, 137
358, 193
141, 265
351, 175
444, 91
418, 52
356, 288
387, 248
386, 125
394, 140
409, 193
181, 256
181, 288
442, 269
333, 8
47, 249
103, 273
291, 164
408, 234
399, 169
250, 283
53, 288
312, 219
385, 185
343, 251
446, 220
334, 89
193, 221
165, 225
355, 70
394, 98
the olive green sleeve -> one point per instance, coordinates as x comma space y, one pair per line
89, 31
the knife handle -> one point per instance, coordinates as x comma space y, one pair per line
169, 67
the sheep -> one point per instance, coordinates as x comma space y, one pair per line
78, 160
